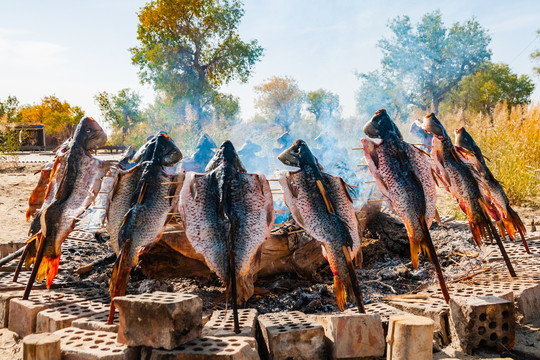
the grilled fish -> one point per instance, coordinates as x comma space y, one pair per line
75, 181
394, 167
150, 204
459, 180
227, 214
493, 191
321, 204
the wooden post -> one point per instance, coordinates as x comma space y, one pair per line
45, 346
409, 337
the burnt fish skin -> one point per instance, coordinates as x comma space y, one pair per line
321, 204
149, 209
396, 177
76, 182
227, 214
461, 183
504, 215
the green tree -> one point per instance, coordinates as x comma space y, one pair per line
10, 109
189, 48
59, 117
428, 59
322, 104
491, 84
122, 111
535, 56
280, 100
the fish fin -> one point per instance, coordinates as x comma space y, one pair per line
341, 294
119, 277
48, 269
353, 286
347, 189
292, 188
421, 151
438, 217
513, 222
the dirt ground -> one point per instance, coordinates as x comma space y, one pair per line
16, 184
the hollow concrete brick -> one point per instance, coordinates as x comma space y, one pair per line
291, 335
159, 320
5, 297
97, 322
79, 344
210, 348
53, 319
41, 347
483, 321
23, 313
352, 335
222, 324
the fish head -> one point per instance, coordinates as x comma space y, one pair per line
381, 126
165, 152
432, 125
464, 139
299, 155
89, 134
146, 150
226, 155
206, 143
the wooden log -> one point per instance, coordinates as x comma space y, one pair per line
45, 346
409, 337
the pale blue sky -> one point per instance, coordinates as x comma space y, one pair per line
75, 49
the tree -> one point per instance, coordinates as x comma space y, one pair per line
535, 56
280, 100
428, 59
189, 48
492, 84
9, 109
322, 104
122, 111
59, 118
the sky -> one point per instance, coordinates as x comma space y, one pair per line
76, 49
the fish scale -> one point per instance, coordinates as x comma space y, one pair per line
422, 168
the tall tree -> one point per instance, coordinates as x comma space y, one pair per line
492, 84
189, 48
59, 117
122, 111
535, 56
323, 104
9, 109
280, 100
428, 59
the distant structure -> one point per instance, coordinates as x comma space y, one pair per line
204, 151
31, 135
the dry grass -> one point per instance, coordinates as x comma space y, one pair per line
510, 138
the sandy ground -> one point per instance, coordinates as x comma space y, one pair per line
16, 184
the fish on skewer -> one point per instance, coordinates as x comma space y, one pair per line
460, 181
322, 205
75, 181
393, 164
145, 207
227, 215
505, 217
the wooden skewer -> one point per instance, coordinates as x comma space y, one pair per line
174, 232
272, 179
360, 211
175, 213
369, 182
295, 232
362, 165
277, 193
172, 183
99, 208
361, 219
172, 196
378, 200
423, 145
282, 211
358, 148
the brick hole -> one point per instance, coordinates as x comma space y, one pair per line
78, 345
505, 327
505, 340
481, 330
203, 340
213, 349
69, 343
116, 350
493, 337
221, 344
229, 350
492, 325
505, 314
109, 343
94, 347
483, 317
98, 341
198, 349
236, 344
482, 343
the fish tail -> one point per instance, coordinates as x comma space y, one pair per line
353, 287
341, 293
418, 242
119, 278
48, 270
512, 222
232, 279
